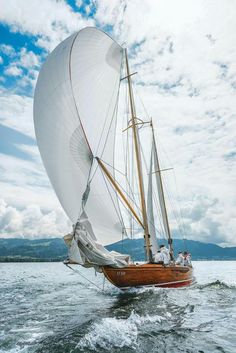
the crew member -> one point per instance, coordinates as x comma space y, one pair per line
166, 254
180, 259
187, 259
158, 258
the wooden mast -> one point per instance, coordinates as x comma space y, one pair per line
165, 215
138, 161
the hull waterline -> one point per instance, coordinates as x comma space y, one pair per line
146, 275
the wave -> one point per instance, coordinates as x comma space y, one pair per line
112, 333
216, 284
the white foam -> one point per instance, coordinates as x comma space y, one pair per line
112, 332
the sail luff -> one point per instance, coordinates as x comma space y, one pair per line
138, 162
161, 195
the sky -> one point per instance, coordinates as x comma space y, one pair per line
184, 52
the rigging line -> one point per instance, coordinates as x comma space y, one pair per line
131, 199
104, 146
180, 223
158, 211
104, 124
123, 204
79, 273
113, 115
118, 213
72, 91
139, 97
173, 210
88, 182
137, 94
127, 155
117, 170
125, 192
180, 210
145, 163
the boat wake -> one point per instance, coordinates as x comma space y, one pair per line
117, 333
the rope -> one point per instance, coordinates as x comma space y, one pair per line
76, 271
118, 212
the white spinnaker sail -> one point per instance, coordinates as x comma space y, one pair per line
74, 117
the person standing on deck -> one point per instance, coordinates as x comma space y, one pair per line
159, 258
180, 259
166, 254
187, 259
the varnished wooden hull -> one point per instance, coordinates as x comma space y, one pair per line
149, 275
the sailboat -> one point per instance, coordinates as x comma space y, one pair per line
75, 117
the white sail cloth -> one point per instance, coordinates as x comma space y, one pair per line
85, 250
74, 117
150, 213
160, 190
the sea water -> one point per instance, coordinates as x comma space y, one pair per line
46, 307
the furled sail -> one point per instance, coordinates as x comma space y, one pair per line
150, 213
160, 190
74, 115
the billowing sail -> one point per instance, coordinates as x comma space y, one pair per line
74, 115
150, 214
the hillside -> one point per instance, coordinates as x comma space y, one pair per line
54, 249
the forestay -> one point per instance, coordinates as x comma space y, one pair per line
74, 115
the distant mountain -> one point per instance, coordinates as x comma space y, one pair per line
199, 250
54, 249
51, 249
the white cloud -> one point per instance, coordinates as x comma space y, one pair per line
13, 71
28, 59
17, 112
7, 50
79, 3
24, 66
1, 60
31, 222
53, 21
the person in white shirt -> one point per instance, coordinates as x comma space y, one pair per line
158, 257
187, 259
166, 254
180, 259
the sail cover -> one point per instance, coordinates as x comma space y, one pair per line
74, 116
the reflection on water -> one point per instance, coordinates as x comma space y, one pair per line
49, 308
